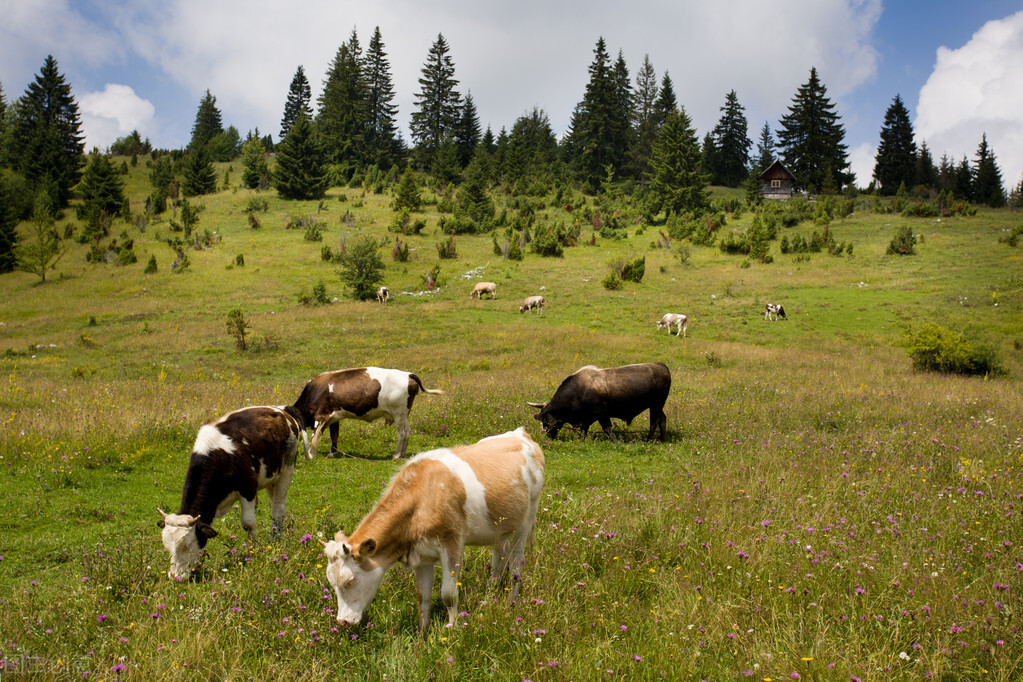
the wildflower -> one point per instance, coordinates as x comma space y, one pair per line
637, 658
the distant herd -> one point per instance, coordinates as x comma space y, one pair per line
436, 504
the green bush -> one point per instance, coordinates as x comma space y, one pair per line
546, 243
935, 348
613, 282
446, 250
361, 269
903, 243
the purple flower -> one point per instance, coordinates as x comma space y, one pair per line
637, 658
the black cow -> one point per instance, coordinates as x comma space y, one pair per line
598, 395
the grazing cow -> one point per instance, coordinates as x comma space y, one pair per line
383, 295
484, 288
775, 309
598, 395
366, 393
677, 319
441, 501
234, 457
533, 302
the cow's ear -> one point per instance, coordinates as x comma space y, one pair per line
367, 548
205, 530
340, 537
160, 523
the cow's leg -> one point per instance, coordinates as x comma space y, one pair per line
424, 588
401, 424
450, 556
278, 492
517, 561
605, 423
658, 421
249, 517
335, 430
501, 557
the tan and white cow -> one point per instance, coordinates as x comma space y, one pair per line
383, 295
533, 302
678, 319
484, 288
441, 501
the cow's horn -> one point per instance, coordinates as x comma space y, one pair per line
538, 405
194, 520
162, 512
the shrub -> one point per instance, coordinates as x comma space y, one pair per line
361, 267
150, 266
629, 271
903, 243
314, 232
546, 243
613, 282
921, 210
237, 326
447, 250
239, 260
938, 349
400, 251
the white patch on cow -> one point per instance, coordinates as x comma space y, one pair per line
210, 438
330, 388
477, 517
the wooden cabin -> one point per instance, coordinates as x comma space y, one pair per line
777, 182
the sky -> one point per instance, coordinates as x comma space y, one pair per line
146, 64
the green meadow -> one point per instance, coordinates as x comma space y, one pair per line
820, 510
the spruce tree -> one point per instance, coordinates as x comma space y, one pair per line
987, 184
597, 135
532, 149
341, 118
732, 143
198, 175
925, 172
101, 189
895, 161
811, 138
666, 102
301, 171
255, 170
46, 143
438, 103
676, 181
8, 226
299, 96
962, 186
382, 148
765, 149
467, 131
644, 118
44, 250
208, 123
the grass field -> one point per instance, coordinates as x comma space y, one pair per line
820, 510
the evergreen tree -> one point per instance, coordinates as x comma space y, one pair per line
8, 226
708, 156
101, 189
406, 195
208, 123
341, 119
225, 145
531, 149
467, 132
255, 170
644, 121
895, 161
811, 139
198, 175
446, 166
676, 182
473, 200
924, 171
299, 96
946, 173
44, 250
765, 149
962, 187
382, 148
438, 104
987, 184
622, 114
732, 143
46, 143
301, 171
666, 102
362, 269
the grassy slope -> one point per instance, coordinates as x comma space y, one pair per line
816, 499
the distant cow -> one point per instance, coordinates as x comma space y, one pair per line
598, 395
677, 319
533, 302
234, 457
484, 288
383, 295
366, 393
442, 500
775, 309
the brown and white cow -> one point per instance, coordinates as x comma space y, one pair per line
484, 288
233, 457
441, 501
383, 295
533, 302
677, 319
366, 393
775, 309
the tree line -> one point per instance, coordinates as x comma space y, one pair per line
631, 131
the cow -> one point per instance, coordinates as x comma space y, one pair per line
233, 457
677, 319
439, 502
775, 309
383, 295
484, 288
366, 393
598, 395
533, 302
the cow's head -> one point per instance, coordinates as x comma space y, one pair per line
184, 537
551, 424
353, 575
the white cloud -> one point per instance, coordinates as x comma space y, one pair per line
973, 90
861, 161
114, 112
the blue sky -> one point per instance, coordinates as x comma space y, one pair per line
145, 64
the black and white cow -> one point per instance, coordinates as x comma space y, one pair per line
674, 319
233, 457
366, 393
383, 295
775, 309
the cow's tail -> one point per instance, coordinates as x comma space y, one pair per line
305, 444
424, 389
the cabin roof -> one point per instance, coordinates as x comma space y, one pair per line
777, 170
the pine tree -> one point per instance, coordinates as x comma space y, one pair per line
46, 143
765, 149
255, 170
208, 123
811, 138
42, 253
924, 171
8, 226
987, 184
198, 175
467, 131
666, 102
299, 96
676, 181
438, 104
101, 189
946, 172
406, 195
341, 118
895, 161
446, 166
382, 148
708, 156
962, 187
531, 148
473, 200
732, 143
644, 118
301, 171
